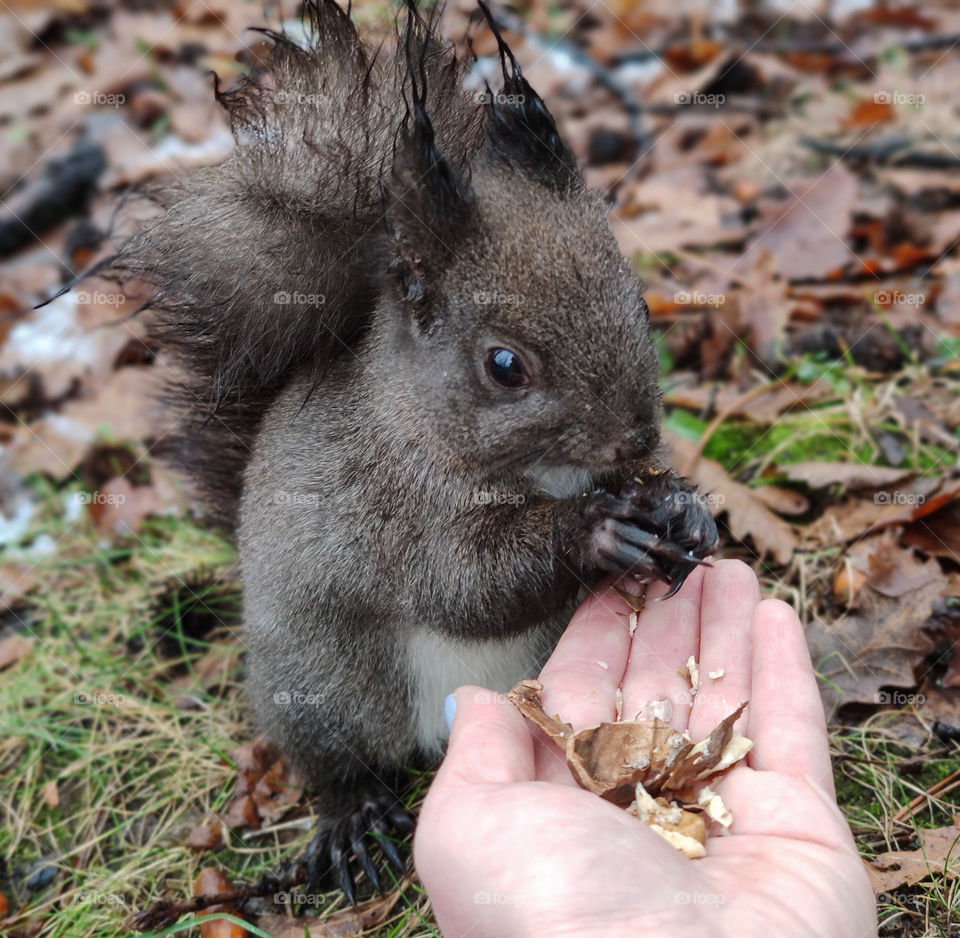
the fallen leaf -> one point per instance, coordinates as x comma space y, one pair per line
876, 646
205, 836
12, 649
781, 500
889, 568
937, 534
819, 475
211, 882
347, 923
806, 233
870, 111
939, 853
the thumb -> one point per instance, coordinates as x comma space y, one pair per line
489, 742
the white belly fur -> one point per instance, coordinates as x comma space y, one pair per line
439, 665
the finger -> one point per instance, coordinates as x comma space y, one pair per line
489, 742
786, 720
730, 595
581, 679
768, 805
667, 634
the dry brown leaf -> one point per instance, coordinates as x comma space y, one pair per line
347, 923
211, 882
939, 852
937, 534
242, 813
879, 645
205, 836
806, 233
849, 475
12, 649
781, 500
764, 409
870, 111
943, 628
889, 568
854, 517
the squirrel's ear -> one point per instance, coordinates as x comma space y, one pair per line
428, 205
520, 130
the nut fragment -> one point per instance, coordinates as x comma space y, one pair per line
646, 766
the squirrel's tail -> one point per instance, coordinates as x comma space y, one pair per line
267, 264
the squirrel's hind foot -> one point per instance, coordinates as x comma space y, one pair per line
374, 820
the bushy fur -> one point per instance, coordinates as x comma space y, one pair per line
298, 208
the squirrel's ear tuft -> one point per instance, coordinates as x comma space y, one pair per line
427, 202
520, 130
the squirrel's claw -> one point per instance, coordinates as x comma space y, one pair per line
379, 832
372, 823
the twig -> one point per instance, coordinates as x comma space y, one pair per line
164, 913
738, 47
888, 151
757, 390
941, 788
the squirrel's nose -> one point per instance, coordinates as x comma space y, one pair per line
641, 441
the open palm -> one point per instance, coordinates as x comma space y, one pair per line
507, 845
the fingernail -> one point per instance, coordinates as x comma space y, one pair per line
449, 709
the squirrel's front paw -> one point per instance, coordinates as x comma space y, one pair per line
657, 528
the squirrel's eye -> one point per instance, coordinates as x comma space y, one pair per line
506, 369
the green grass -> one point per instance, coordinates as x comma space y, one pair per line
129, 715
842, 428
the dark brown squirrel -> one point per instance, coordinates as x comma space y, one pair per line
420, 385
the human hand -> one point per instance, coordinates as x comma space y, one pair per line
507, 845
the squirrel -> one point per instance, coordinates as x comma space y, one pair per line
417, 380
